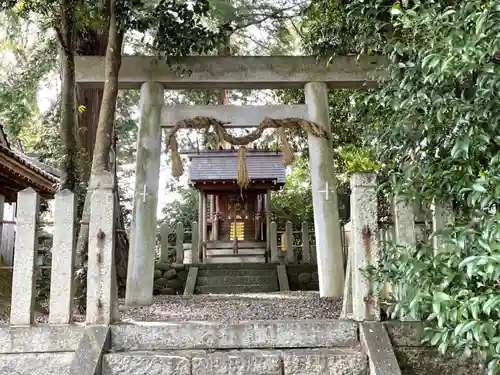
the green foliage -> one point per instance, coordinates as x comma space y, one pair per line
294, 202
184, 209
26, 63
435, 130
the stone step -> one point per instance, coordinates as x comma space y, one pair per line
236, 272
270, 334
241, 245
222, 280
247, 362
236, 289
236, 259
246, 266
230, 252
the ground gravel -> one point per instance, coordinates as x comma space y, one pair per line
237, 307
229, 308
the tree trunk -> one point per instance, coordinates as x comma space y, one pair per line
97, 139
66, 36
89, 43
105, 136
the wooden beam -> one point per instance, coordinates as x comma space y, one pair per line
237, 116
234, 72
233, 186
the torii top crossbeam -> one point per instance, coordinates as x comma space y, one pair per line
235, 72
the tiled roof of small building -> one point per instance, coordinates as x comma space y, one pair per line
19, 171
222, 165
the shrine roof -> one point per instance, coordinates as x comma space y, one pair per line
222, 165
19, 171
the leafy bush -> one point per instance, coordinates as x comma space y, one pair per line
435, 131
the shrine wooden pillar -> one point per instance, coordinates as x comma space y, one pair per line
256, 217
204, 228
268, 219
215, 224
200, 225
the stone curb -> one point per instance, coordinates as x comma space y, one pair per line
244, 335
40, 338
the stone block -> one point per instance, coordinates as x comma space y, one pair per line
162, 266
182, 275
175, 284
313, 286
167, 291
87, 359
325, 362
305, 278
161, 282
238, 363
36, 363
284, 285
191, 281
405, 333
170, 274
40, 338
376, 343
145, 363
244, 335
178, 267
422, 360
236, 289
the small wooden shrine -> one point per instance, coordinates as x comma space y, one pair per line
231, 214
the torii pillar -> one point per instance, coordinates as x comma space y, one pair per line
141, 258
324, 194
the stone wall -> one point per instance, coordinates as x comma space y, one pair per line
170, 278
303, 276
414, 358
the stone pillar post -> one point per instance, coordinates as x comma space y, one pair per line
102, 296
441, 214
324, 193
405, 235
63, 258
404, 222
143, 227
363, 244
23, 276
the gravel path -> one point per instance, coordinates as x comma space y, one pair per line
230, 308
237, 307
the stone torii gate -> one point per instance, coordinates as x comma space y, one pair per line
153, 76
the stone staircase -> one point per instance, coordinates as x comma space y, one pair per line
236, 278
307, 347
248, 252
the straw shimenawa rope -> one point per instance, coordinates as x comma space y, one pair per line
242, 168
280, 125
